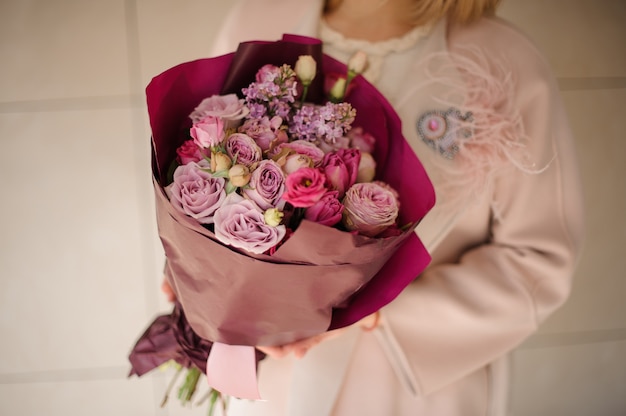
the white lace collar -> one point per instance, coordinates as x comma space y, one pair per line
342, 47
399, 44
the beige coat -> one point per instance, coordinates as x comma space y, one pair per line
505, 233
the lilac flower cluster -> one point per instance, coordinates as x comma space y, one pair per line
273, 93
322, 124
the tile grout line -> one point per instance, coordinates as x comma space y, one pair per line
108, 102
145, 229
69, 375
569, 339
143, 190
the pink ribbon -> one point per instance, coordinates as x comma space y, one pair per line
231, 370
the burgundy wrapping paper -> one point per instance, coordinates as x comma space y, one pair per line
321, 278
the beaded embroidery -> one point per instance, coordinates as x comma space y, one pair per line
442, 130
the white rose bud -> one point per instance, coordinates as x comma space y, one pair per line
220, 162
295, 161
358, 62
239, 175
367, 168
305, 69
273, 217
338, 90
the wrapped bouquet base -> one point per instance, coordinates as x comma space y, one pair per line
319, 278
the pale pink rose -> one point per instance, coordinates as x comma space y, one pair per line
190, 152
327, 211
302, 147
341, 169
369, 208
295, 161
304, 187
229, 108
362, 140
195, 192
266, 132
243, 149
367, 168
240, 223
208, 132
266, 185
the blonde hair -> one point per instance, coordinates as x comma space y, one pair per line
429, 11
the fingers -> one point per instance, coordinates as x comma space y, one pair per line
167, 290
301, 347
275, 352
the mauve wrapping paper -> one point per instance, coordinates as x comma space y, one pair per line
321, 278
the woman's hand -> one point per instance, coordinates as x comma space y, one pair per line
167, 290
300, 348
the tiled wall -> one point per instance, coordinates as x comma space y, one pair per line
79, 256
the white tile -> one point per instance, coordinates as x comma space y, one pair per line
171, 33
580, 38
120, 397
597, 300
72, 249
62, 49
579, 380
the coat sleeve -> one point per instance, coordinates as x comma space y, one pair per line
458, 317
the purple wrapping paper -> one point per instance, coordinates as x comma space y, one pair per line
321, 278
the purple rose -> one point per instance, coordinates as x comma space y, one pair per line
327, 211
266, 132
208, 132
341, 169
243, 148
304, 187
195, 192
229, 108
240, 223
369, 208
266, 185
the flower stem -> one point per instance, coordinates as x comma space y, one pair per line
305, 91
186, 391
170, 386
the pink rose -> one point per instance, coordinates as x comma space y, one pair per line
341, 169
190, 152
267, 185
266, 132
304, 187
361, 140
243, 148
208, 132
326, 211
195, 192
267, 73
229, 108
301, 147
240, 223
369, 208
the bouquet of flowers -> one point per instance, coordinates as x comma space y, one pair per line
286, 202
